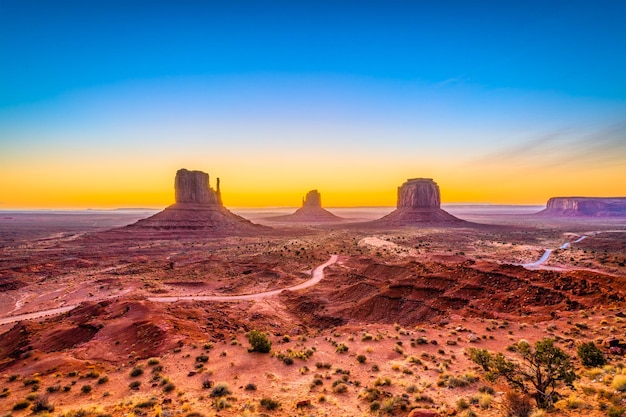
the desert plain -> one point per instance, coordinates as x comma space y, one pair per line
125, 323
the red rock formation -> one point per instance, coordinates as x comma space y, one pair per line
585, 207
310, 212
198, 207
418, 203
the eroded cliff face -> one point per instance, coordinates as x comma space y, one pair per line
419, 193
310, 212
192, 187
586, 207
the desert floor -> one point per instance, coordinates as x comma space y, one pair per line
386, 330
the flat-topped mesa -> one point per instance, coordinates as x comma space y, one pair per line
419, 193
192, 187
585, 207
313, 199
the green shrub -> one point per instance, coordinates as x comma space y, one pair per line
590, 355
259, 342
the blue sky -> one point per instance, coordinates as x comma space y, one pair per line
460, 90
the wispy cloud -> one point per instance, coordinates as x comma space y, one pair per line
604, 146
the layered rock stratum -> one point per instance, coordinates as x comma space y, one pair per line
310, 212
419, 203
585, 207
198, 207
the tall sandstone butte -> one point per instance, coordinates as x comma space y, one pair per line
192, 187
419, 203
198, 208
310, 212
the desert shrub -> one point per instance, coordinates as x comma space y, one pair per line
5, 392
516, 405
341, 348
288, 360
269, 403
259, 342
92, 374
53, 388
31, 381
147, 403
619, 383
136, 371
462, 404
340, 388
590, 355
220, 390
366, 337
323, 365
134, 385
250, 387
21, 405
41, 404
207, 383
484, 401
169, 387
153, 361
202, 358
374, 406
361, 358
615, 411
222, 403
103, 380
86, 389
486, 390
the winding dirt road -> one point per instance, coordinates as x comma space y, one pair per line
317, 276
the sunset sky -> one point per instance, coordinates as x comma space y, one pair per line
498, 101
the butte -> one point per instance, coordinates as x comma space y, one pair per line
198, 210
419, 204
310, 212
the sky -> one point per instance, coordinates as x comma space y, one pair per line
501, 102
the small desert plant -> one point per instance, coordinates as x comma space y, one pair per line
134, 385
341, 348
153, 361
590, 355
202, 358
361, 358
41, 404
259, 342
517, 405
269, 403
136, 371
169, 387
340, 388
20, 405
619, 383
250, 387
103, 380
86, 389
220, 390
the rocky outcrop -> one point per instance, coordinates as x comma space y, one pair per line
419, 193
585, 207
192, 187
310, 212
419, 203
198, 208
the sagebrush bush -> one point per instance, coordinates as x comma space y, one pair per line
259, 342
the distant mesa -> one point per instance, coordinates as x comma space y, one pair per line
419, 203
198, 207
585, 207
310, 212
